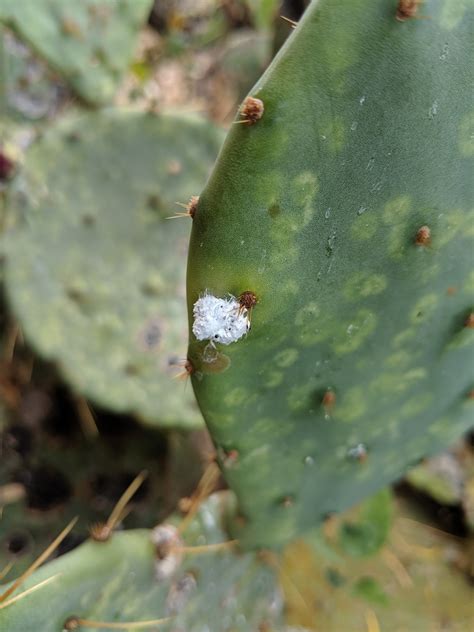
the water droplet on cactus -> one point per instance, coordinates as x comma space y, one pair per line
309, 461
327, 213
361, 210
370, 164
354, 126
377, 186
331, 242
357, 452
362, 100
209, 354
433, 111
444, 54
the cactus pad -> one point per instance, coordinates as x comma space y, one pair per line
95, 271
346, 210
89, 42
115, 581
54, 477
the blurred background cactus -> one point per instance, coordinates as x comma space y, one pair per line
113, 509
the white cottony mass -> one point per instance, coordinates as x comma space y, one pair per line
219, 319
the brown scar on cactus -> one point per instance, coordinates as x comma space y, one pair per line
252, 110
407, 9
469, 322
329, 400
191, 208
423, 236
287, 501
38, 561
101, 532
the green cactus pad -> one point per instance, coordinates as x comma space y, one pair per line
89, 42
359, 361
114, 581
95, 271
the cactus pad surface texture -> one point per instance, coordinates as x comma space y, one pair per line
95, 270
89, 42
346, 209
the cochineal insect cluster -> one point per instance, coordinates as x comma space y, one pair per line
223, 320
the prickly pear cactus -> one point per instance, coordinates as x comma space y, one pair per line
344, 206
95, 270
127, 579
89, 42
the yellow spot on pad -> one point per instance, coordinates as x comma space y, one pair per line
364, 227
236, 397
286, 358
469, 285
308, 325
396, 210
273, 378
396, 383
399, 360
307, 314
353, 405
299, 397
416, 405
363, 284
352, 334
405, 337
305, 187
452, 13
